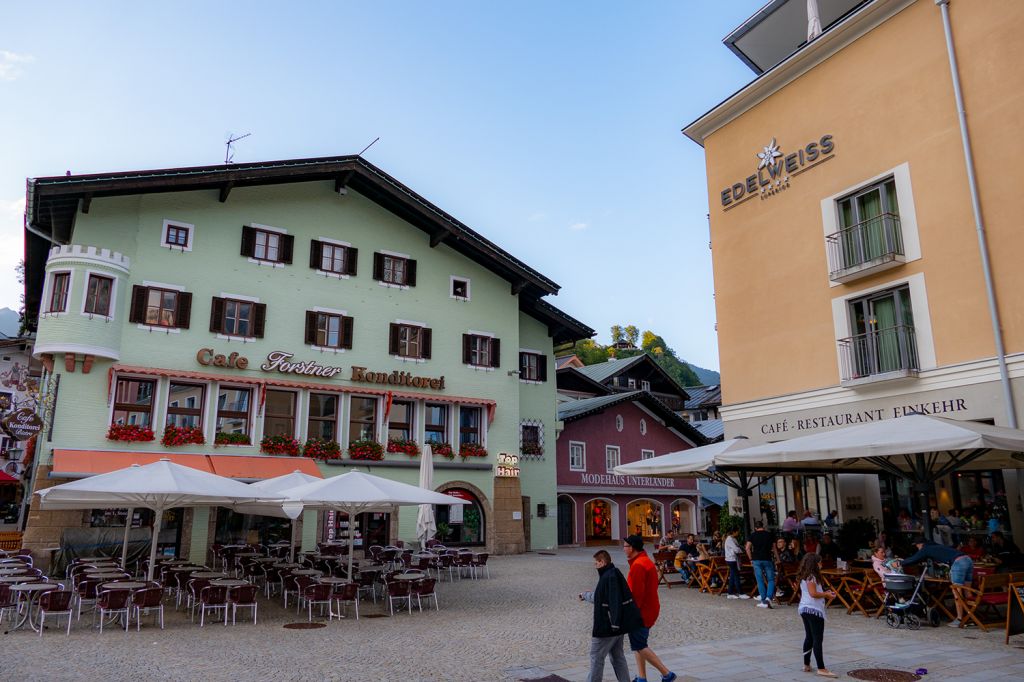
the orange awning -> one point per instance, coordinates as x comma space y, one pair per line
83, 463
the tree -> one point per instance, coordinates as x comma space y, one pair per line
589, 352
632, 335
616, 334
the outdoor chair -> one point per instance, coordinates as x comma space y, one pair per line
296, 584
213, 598
272, 578
254, 573
113, 602
446, 562
169, 581
425, 589
375, 552
195, 588
866, 592
345, 594
8, 602
464, 562
368, 581
317, 593
243, 596
479, 562
991, 592
215, 550
423, 564
148, 600
397, 591
86, 592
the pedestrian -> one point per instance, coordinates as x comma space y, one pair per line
961, 569
759, 551
812, 613
615, 614
732, 560
643, 583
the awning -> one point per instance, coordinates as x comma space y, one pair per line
7, 479
83, 463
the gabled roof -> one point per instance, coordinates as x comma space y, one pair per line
703, 395
712, 429
567, 361
603, 371
578, 409
572, 379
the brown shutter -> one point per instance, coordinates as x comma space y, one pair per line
495, 352
287, 248
138, 309
346, 332
351, 259
467, 345
183, 314
410, 272
378, 266
311, 326
426, 341
393, 339
542, 367
217, 315
316, 252
259, 319
248, 241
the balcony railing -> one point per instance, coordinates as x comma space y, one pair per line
869, 246
880, 354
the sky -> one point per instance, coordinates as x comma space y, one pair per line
552, 128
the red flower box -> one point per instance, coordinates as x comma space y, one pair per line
472, 450
317, 448
408, 447
366, 450
223, 438
182, 435
280, 445
443, 450
130, 433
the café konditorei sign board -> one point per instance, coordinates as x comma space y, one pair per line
22, 424
774, 169
281, 361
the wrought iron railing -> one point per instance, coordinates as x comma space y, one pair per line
881, 351
872, 241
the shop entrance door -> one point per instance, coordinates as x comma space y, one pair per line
566, 521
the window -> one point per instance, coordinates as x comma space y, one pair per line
577, 456
59, 292
323, 416
632, 383
533, 366
133, 402
237, 318
645, 386
176, 235
185, 405
646, 454
460, 288
869, 230
279, 414
97, 295
884, 339
409, 341
362, 423
160, 307
338, 259
437, 423
611, 458
393, 269
470, 423
233, 410
267, 245
619, 424
400, 420
643, 427
328, 330
481, 351
531, 439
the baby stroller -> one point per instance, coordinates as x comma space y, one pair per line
905, 604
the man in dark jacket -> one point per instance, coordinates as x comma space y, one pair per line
961, 570
615, 615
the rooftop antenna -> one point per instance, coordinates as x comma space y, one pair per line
368, 146
229, 153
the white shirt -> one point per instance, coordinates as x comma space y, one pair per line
732, 549
809, 604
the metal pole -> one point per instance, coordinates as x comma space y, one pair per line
744, 492
124, 544
158, 516
921, 488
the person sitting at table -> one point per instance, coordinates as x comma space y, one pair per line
828, 549
810, 543
796, 549
686, 552
882, 541
973, 548
716, 543
790, 526
781, 554
810, 521
832, 520
881, 564
1005, 551
961, 569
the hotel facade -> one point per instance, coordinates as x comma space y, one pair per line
849, 281
255, 319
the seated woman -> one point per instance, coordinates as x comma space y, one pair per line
796, 549
810, 543
973, 548
716, 543
881, 564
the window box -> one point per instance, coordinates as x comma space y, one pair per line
404, 445
130, 433
223, 438
443, 450
366, 449
280, 445
472, 450
322, 449
182, 435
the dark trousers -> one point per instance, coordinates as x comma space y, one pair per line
814, 633
734, 577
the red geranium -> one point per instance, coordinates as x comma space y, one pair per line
409, 447
182, 435
130, 433
472, 450
224, 438
366, 449
318, 448
280, 445
443, 449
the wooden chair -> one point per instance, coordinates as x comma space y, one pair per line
718, 572
664, 561
788, 576
865, 592
991, 592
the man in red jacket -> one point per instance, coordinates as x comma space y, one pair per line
643, 583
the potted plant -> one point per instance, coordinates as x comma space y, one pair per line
224, 438
319, 448
532, 449
403, 445
443, 529
443, 449
130, 433
472, 450
280, 445
182, 435
366, 449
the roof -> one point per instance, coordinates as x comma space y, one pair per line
53, 202
712, 429
567, 360
572, 379
703, 395
603, 371
578, 409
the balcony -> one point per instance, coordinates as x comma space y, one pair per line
870, 246
880, 355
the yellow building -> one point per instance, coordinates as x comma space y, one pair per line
850, 279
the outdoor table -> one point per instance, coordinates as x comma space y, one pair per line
409, 576
307, 571
267, 559
105, 575
174, 562
31, 592
15, 579
328, 580
93, 559
209, 575
13, 571
124, 585
248, 555
12, 560
107, 568
287, 565
193, 567
228, 582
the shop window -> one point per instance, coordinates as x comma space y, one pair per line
436, 423
323, 416
233, 411
59, 286
465, 523
470, 425
159, 307
185, 405
577, 456
279, 414
481, 351
533, 366
409, 341
644, 518
235, 528
400, 420
362, 423
133, 402
393, 269
598, 520
612, 458
97, 295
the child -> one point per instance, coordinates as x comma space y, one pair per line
732, 558
812, 613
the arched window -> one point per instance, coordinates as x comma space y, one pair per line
619, 423
460, 525
643, 427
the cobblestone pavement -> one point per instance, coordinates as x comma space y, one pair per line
524, 622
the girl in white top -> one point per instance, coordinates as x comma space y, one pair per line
732, 557
812, 613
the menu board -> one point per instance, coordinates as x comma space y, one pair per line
1015, 611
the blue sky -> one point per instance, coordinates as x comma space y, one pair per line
551, 128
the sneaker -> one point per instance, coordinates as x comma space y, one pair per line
769, 605
743, 596
671, 677
639, 679
778, 593
955, 623
763, 605
736, 596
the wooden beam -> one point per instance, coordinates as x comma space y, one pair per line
518, 286
438, 237
69, 362
341, 181
86, 202
87, 363
225, 190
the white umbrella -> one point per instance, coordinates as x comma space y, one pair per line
354, 493
277, 486
158, 486
425, 524
813, 20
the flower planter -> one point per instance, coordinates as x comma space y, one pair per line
280, 445
367, 450
472, 450
182, 435
407, 447
317, 448
130, 433
231, 439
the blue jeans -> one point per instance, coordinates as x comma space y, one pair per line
765, 570
734, 578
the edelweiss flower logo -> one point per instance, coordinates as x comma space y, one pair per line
768, 156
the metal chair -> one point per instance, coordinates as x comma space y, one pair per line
317, 594
398, 590
479, 561
425, 589
244, 596
368, 581
213, 598
149, 599
195, 588
8, 602
347, 593
113, 602
86, 592
55, 603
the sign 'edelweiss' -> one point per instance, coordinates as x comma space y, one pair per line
774, 169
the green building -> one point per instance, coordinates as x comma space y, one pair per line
225, 316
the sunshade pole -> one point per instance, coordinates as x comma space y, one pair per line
744, 492
921, 487
124, 543
351, 541
158, 516
291, 548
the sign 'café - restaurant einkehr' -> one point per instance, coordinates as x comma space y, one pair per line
313, 314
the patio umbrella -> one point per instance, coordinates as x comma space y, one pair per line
158, 486
277, 486
425, 524
354, 493
813, 20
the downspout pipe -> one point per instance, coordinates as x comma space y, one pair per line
979, 225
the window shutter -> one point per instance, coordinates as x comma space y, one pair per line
316, 250
393, 338
217, 315
248, 241
542, 367
410, 272
138, 309
311, 326
378, 266
183, 315
259, 319
351, 256
522, 365
287, 248
495, 352
425, 343
346, 332
467, 347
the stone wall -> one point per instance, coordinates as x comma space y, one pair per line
45, 528
508, 537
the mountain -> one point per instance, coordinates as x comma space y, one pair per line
8, 323
590, 352
708, 377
